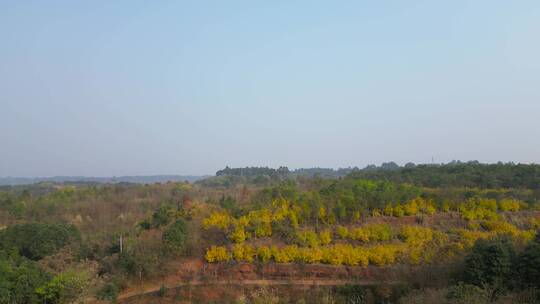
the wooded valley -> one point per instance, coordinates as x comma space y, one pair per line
452, 233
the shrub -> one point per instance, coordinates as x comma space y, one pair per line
425, 296
352, 293
429, 209
332, 255
411, 208
488, 204
162, 291
264, 254
175, 236
36, 241
142, 258
470, 294
310, 255
342, 232
388, 210
478, 210
325, 237
19, 279
109, 292
509, 205
359, 234
238, 235
398, 211
285, 254
145, 224
468, 238
372, 233
64, 287
308, 238
264, 296
217, 254
383, 254
242, 252
416, 235
160, 217
446, 206
221, 220
344, 254
262, 221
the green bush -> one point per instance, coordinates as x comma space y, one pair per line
19, 278
142, 259
36, 241
109, 292
175, 236
160, 217
63, 288
353, 294
145, 224
470, 294
162, 291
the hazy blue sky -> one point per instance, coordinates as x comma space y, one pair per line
152, 87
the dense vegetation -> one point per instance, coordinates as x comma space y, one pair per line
62, 243
471, 174
36, 241
21, 279
455, 174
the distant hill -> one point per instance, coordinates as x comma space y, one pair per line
149, 179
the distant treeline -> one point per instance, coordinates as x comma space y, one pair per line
253, 171
471, 174
285, 172
149, 179
455, 174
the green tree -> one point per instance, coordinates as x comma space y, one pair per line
527, 268
175, 236
490, 264
35, 241
63, 288
19, 278
160, 217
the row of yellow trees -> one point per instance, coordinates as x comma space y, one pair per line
338, 254
415, 239
258, 223
416, 245
369, 233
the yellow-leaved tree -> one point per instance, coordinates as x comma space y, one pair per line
217, 254
221, 220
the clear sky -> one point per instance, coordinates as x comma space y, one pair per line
174, 87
